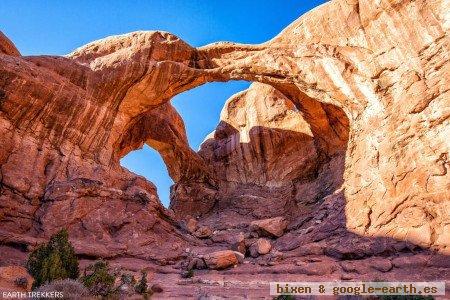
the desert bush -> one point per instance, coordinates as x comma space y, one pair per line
69, 288
127, 284
54, 260
98, 279
142, 287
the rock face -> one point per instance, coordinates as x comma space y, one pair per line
7, 47
344, 133
15, 279
385, 65
259, 140
265, 157
53, 116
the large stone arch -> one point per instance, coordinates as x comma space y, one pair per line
390, 78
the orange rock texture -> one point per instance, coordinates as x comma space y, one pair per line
344, 133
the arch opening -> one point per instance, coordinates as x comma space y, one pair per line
148, 163
156, 151
273, 151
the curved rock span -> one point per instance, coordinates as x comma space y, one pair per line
344, 133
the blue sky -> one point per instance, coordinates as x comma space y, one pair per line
58, 27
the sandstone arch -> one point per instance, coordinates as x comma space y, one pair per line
267, 157
383, 63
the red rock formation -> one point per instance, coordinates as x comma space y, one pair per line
7, 47
57, 168
352, 146
14, 279
261, 139
267, 160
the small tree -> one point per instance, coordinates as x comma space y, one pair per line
55, 260
98, 280
141, 287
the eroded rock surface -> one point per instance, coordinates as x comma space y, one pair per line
345, 134
15, 279
7, 47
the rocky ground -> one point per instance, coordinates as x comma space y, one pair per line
234, 258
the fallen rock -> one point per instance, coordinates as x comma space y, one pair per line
354, 267
203, 232
345, 252
240, 256
191, 225
260, 247
413, 261
240, 245
316, 268
224, 236
253, 252
276, 255
381, 264
221, 259
273, 227
156, 288
197, 263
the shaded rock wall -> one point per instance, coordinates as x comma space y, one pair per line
266, 158
261, 139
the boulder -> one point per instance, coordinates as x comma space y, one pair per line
191, 225
196, 264
240, 245
203, 232
260, 247
273, 227
221, 259
156, 288
381, 264
240, 256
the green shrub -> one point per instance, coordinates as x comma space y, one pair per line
141, 287
98, 279
54, 260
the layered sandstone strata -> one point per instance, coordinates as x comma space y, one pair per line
368, 78
266, 159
